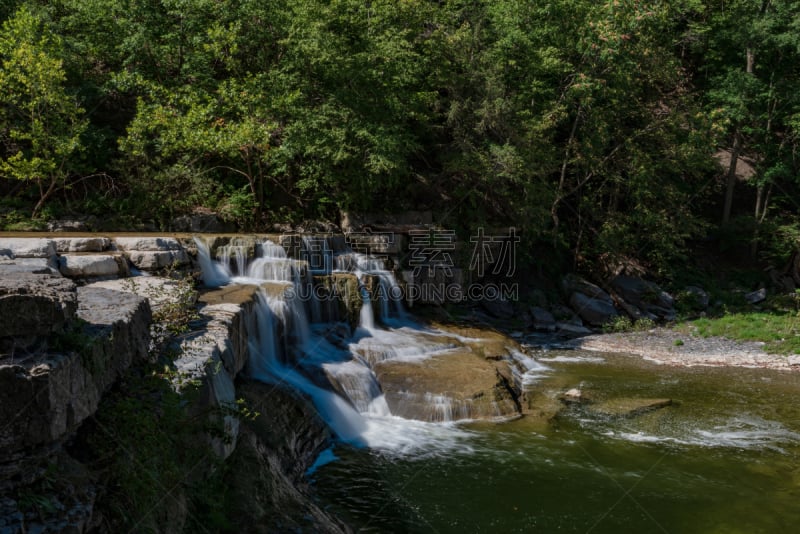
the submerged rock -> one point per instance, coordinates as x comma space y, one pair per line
449, 387
629, 407
574, 396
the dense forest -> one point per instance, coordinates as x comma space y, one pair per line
602, 130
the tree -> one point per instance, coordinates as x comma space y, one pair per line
40, 122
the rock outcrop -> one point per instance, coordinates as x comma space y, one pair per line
648, 298
46, 393
34, 305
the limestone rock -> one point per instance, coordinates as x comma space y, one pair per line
43, 397
266, 473
35, 304
156, 289
152, 253
82, 244
594, 311
147, 243
574, 396
94, 265
460, 385
29, 247
155, 260
28, 265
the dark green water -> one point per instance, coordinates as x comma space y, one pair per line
725, 458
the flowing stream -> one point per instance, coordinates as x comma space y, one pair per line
723, 456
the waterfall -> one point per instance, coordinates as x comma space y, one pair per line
234, 257
214, 274
360, 385
318, 253
266, 365
366, 318
339, 379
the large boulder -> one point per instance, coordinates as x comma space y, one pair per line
153, 253
542, 319
449, 387
82, 244
699, 297
646, 296
93, 265
35, 305
498, 307
572, 283
595, 311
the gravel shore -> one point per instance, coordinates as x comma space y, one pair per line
671, 347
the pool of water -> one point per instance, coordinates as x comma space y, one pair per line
723, 458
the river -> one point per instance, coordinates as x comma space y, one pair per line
723, 458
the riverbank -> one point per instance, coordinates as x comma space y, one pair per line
686, 349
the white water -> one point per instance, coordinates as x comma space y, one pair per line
233, 257
285, 349
214, 274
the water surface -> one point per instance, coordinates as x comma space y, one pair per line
722, 459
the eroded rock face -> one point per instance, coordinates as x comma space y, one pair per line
35, 304
45, 396
461, 385
266, 472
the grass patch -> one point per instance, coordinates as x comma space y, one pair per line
779, 330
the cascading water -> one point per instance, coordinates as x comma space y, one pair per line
233, 257
266, 365
214, 274
339, 379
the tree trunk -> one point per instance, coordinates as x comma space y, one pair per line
44, 195
726, 212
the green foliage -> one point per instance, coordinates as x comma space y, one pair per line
174, 308
780, 331
589, 126
623, 323
40, 122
